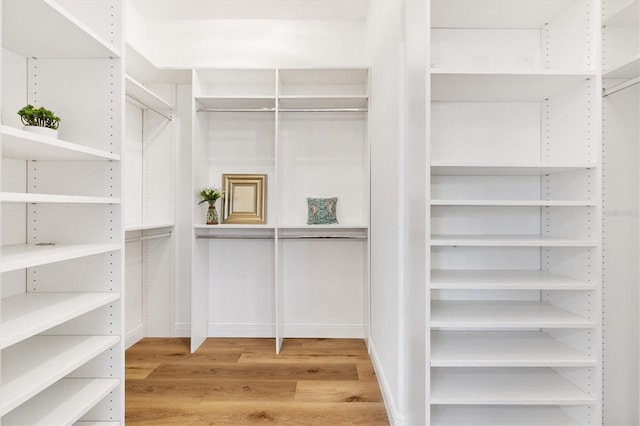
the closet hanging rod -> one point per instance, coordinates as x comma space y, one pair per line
137, 102
147, 237
322, 237
323, 109
236, 237
203, 109
621, 86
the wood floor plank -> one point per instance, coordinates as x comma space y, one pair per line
256, 372
306, 358
139, 371
337, 391
240, 390
324, 414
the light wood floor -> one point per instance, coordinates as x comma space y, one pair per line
242, 381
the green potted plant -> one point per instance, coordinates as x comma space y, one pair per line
39, 120
211, 195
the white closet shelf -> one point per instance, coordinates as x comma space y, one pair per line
21, 197
443, 168
510, 86
508, 315
21, 256
509, 241
625, 70
148, 226
469, 415
330, 226
323, 102
143, 95
504, 386
44, 29
231, 226
62, 403
502, 349
22, 145
628, 15
493, 14
34, 364
83, 423
237, 103
449, 279
514, 203
27, 314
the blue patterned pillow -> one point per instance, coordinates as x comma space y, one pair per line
322, 211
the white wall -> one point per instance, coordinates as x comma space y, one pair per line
385, 47
186, 43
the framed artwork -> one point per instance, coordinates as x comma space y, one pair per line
245, 199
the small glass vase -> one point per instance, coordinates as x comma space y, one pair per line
212, 215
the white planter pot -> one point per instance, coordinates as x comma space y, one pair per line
44, 131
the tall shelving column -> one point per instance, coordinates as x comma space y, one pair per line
149, 196
620, 204
234, 133
323, 152
61, 262
515, 213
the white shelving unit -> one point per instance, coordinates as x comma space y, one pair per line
515, 211
505, 386
306, 129
149, 159
621, 191
61, 346
503, 349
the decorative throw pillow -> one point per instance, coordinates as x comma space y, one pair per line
322, 211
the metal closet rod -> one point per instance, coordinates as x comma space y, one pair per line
147, 237
621, 86
202, 109
141, 104
283, 237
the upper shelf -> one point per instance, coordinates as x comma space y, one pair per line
495, 13
22, 145
627, 70
441, 168
237, 103
146, 97
20, 256
44, 29
22, 197
513, 203
510, 86
509, 241
461, 279
628, 15
323, 102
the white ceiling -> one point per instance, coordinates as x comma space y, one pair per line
252, 9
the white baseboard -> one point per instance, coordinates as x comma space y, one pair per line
134, 336
395, 418
182, 329
324, 331
338, 331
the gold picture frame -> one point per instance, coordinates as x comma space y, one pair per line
245, 199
